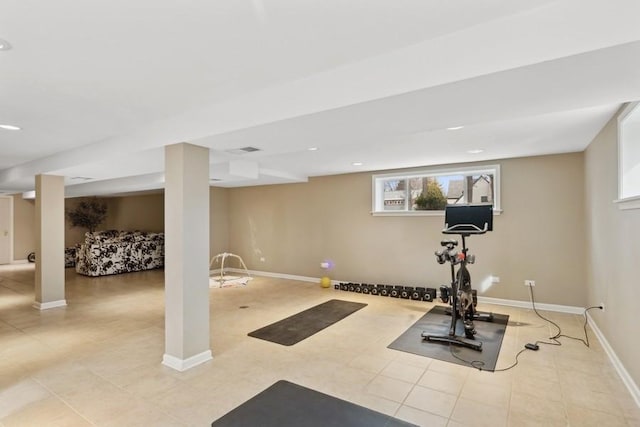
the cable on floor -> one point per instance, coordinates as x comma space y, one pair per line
478, 364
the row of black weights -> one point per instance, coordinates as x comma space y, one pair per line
394, 291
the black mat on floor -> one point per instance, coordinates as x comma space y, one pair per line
437, 322
295, 328
285, 404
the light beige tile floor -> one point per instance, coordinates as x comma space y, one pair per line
96, 362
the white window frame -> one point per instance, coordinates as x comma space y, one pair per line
633, 201
377, 187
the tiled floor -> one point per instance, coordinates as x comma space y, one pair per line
97, 361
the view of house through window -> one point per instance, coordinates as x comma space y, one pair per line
435, 190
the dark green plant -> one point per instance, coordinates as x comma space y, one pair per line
433, 200
88, 214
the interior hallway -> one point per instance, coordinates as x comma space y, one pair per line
96, 362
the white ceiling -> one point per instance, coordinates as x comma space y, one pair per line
99, 87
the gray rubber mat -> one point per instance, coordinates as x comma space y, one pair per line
295, 328
437, 322
285, 404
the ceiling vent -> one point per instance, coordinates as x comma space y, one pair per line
243, 150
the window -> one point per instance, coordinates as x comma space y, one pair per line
629, 157
430, 191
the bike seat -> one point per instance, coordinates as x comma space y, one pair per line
450, 243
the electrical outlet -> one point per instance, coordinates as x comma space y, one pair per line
529, 282
495, 279
262, 259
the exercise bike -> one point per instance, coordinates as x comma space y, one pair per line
462, 220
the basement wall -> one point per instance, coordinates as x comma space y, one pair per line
292, 228
613, 243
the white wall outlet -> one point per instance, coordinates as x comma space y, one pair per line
324, 265
529, 282
262, 259
495, 279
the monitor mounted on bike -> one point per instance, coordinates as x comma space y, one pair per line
468, 219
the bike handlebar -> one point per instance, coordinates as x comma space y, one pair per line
465, 229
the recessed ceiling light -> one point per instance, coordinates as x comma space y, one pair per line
455, 128
10, 127
357, 164
476, 151
4, 45
312, 148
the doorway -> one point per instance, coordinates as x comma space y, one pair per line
6, 229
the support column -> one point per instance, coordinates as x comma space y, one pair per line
49, 288
186, 272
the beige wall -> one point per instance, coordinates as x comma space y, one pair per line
294, 227
24, 221
613, 248
540, 235
219, 221
140, 212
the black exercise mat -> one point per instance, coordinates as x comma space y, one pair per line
285, 404
295, 328
437, 322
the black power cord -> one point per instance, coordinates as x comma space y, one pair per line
478, 364
554, 338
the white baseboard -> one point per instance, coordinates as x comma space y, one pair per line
184, 364
617, 364
278, 275
487, 300
51, 304
527, 304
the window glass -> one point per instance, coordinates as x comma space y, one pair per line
629, 152
434, 190
395, 195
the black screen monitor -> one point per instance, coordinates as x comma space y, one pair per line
473, 219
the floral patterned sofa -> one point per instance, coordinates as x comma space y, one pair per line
70, 255
114, 252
